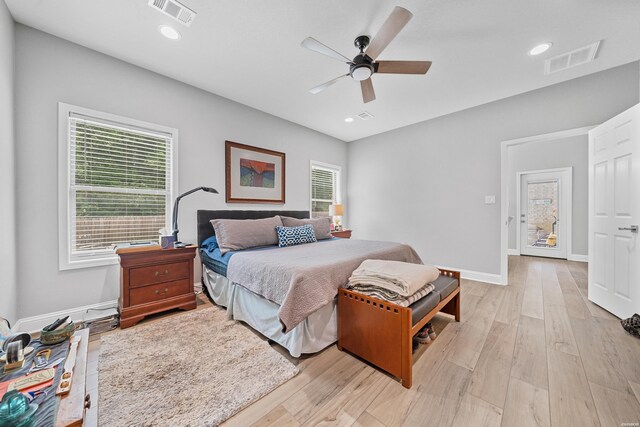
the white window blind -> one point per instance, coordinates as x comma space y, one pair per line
120, 180
325, 185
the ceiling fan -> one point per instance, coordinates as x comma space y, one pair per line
364, 64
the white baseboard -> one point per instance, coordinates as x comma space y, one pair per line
513, 252
579, 258
36, 323
478, 276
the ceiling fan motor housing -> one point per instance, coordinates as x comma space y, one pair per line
362, 67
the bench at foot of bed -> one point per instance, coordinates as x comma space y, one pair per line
381, 332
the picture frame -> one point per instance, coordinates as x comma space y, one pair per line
254, 174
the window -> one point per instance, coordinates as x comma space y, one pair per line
116, 184
325, 188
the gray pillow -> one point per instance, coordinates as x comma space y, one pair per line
321, 226
236, 234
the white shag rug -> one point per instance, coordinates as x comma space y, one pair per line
192, 369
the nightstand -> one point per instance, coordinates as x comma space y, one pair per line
343, 234
154, 280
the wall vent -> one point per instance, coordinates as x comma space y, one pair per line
571, 59
365, 115
175, 10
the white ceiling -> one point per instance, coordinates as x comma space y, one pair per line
249, 51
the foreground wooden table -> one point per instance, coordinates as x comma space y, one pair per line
72, 406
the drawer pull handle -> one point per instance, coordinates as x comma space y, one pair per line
163, 292
162, 273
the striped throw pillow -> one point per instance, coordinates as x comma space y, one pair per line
289, 236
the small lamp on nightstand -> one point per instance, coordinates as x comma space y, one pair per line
178, 244
336, 211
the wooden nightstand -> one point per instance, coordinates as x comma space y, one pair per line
154, 280
343, 234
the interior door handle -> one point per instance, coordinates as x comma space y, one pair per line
633, 228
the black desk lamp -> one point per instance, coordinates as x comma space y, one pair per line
178, 244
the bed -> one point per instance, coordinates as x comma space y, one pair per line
301, 322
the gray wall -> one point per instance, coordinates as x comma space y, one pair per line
425, 184
50, 70
8, 283
548, 155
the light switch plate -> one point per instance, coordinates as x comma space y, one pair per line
489, 200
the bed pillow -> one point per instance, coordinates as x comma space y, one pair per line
321, 226
289, 236
237, 234
210, 244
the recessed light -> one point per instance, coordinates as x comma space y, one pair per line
541, 48
169, 32
348, 119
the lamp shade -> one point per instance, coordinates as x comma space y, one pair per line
336, 210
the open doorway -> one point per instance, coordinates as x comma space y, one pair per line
555, 151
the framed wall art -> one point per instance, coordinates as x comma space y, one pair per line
254, 175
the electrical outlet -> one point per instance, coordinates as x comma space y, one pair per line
489, 200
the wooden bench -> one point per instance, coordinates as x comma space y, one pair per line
381, 332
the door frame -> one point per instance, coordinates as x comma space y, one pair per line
504, 186
566, 204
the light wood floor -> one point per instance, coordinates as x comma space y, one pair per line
535, 352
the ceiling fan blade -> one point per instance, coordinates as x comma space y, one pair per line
314, 45
390, 29
323, 86
368, 93
403, 67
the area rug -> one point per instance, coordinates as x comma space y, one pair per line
192, 369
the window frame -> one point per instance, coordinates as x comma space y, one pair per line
66, 196
328, 166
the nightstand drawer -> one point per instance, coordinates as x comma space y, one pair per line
144, 276
158, 292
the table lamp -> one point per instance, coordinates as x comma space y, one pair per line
177, 243
336, 211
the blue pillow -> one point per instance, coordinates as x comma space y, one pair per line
289, 236
210, 244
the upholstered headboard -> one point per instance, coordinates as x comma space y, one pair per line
205, 229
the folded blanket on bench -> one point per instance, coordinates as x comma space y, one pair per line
394, 297
402, 278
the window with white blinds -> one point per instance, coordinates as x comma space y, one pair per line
119, 176
325, 188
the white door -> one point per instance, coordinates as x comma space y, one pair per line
614, 214
544, 206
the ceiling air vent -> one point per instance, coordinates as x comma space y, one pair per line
174, 9
571, 59
365, 115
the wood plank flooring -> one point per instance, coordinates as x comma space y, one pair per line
534, 353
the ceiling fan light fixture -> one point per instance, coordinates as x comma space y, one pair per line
361, 73
541, 48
